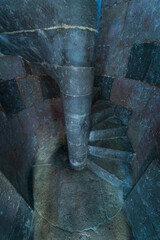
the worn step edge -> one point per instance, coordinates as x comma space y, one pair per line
107, 152
105, 175
104, 121
107, 133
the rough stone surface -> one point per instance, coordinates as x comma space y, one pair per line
22, 222
143, 205
10, 98
140, 59
145, 147
3, 120
121, 91
142, 22
49, 87
140, 95
64, 208
123, 114
15, 214
49, 110
29, 120
136, 129
112, 57
31, 90
153, 75
11, 67
49, 130
152, 114
15, 134
27, 67
106, 85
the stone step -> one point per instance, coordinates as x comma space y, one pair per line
105, 175
100, 105
120, 169
110, 153
107, 133
114, 143
101, 115
111, 122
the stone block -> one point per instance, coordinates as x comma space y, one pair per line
136, 129
123, 114
143, 205
10, 98
140, 96
117, 60
140, 59
121, 91
157, 135
29, 120
23, 221
11, 67
145, 146
45, 112
15, 214
27, 67
31, 90
101, 59
24, 163
49, 87
142, 22
49, 110
49, 130
15, 134
9, 203
105, 83
153, 76
82, 201
3, 120
7, 158
37, 69
152, 112
112, 21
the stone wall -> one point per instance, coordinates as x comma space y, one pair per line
129, 31
128, 70
31, 114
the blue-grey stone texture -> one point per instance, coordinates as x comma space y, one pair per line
10, 97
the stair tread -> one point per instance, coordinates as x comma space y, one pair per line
101, 115
108, 123
115, 167
117, 143
104, 174
111, 153
107, 133
100, 106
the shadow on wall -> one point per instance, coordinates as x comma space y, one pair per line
31, 114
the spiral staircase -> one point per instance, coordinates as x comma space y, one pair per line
79, 205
